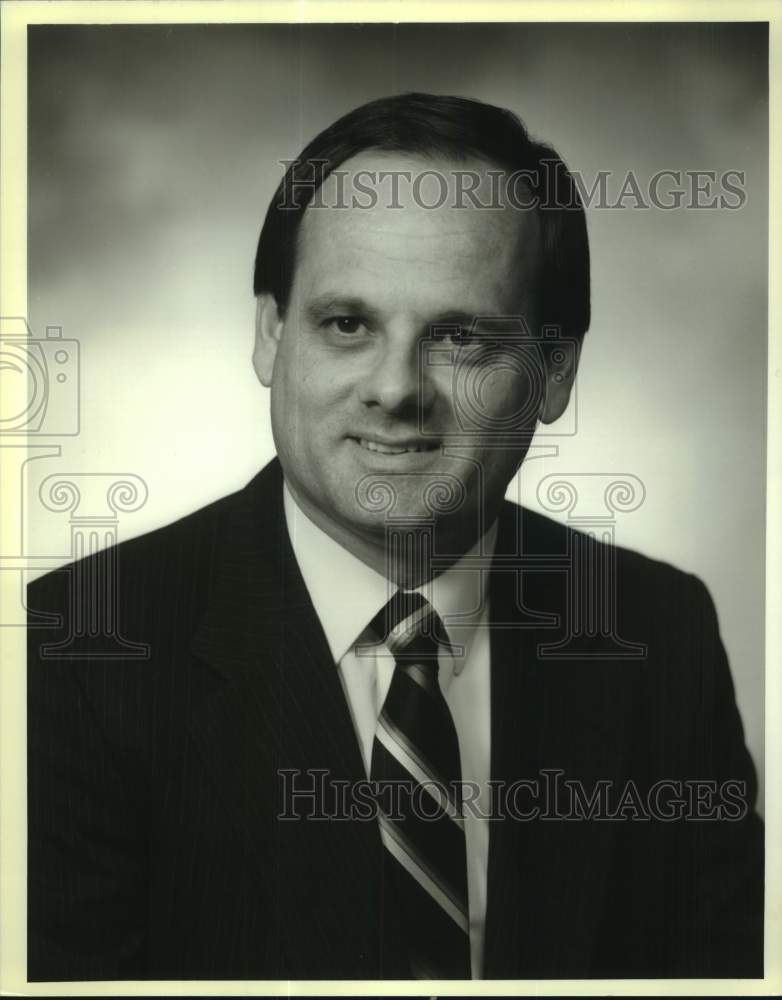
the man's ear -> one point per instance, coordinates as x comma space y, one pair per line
561, 366
268, 331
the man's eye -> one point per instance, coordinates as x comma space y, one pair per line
346, 324
454, 332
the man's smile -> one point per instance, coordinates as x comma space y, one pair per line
400, 447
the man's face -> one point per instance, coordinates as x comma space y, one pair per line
351, 405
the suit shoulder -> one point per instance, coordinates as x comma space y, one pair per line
183, 546
609, 590
542, 535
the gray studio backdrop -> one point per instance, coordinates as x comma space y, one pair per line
153, 152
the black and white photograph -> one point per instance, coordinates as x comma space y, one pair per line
386, 460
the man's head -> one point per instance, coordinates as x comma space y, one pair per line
402, 283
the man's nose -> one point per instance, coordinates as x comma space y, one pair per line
396, 381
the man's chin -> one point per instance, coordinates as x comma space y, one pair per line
383, 512
416, 495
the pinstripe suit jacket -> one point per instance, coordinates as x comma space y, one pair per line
155, 781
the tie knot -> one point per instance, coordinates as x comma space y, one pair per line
410, 627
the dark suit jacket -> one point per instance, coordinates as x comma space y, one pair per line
155, 850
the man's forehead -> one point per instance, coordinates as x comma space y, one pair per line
425, 176
416, 203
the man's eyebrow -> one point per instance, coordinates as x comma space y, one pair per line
326, 305
485, 319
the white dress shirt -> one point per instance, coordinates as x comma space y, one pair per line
346, 595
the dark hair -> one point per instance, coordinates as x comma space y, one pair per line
457, 128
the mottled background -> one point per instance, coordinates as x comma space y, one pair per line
153, 152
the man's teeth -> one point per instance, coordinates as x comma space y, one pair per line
385, 449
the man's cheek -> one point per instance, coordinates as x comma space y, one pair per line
521, 396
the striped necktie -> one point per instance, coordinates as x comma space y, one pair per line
416, 745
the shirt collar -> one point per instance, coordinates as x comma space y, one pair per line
347, 594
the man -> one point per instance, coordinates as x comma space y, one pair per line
369, 616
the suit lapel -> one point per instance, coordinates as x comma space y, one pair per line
278, 721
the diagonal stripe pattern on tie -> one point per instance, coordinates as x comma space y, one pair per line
416, 750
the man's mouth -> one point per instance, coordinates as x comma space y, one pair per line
401, 448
